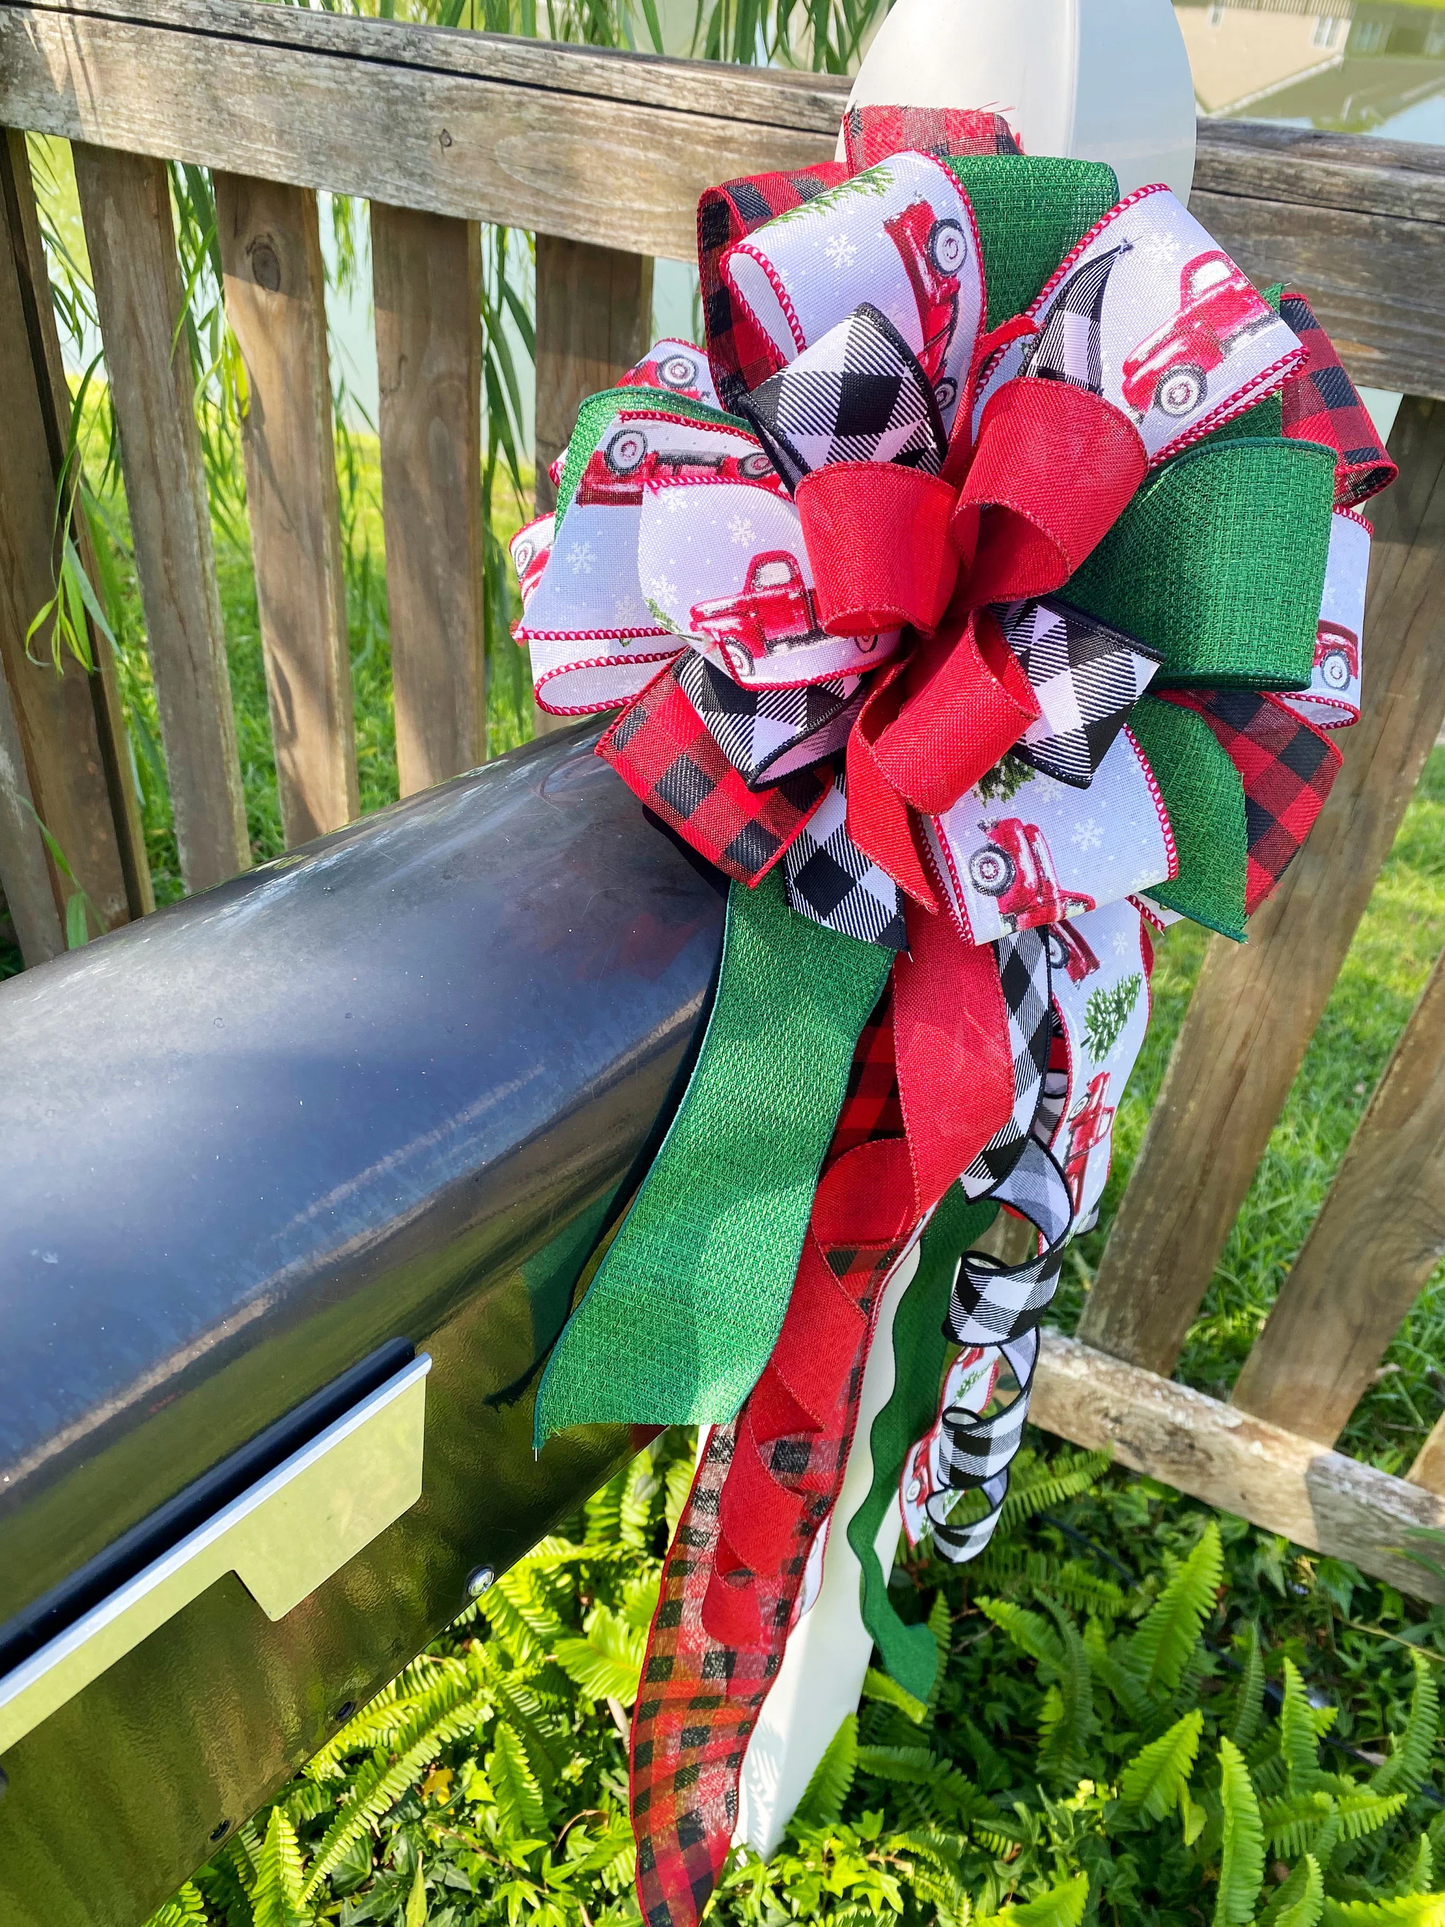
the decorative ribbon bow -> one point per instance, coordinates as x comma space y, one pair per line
993, 576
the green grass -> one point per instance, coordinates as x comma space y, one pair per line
1398, 940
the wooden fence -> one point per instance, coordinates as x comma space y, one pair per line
603, 156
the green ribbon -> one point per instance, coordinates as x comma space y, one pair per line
910, 1653
1204, 795
1031, 211
1219, 562
687, 1304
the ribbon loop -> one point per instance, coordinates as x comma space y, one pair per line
877, 538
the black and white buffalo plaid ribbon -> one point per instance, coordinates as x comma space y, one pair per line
767, 733
998, 1307
1023, 974
1086, 676
858, 394
829, 879
1069, 344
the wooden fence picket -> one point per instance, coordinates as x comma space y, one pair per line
275, 301
126, 205
1255, 1006
426, 277
1371, 1250
74, 768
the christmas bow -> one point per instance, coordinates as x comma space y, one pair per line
976, 605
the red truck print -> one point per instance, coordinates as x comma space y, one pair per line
1068, 951
616, 472
1337, 655
933, 251
1088, 1128
679, 372
1170, 369
774, 610
1017, 868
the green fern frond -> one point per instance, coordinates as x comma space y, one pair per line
518, 1796
1366, 1811
1068, 1721
1169, 1632
277, 1898
832, 1779
677, 1484
1054, 1483
1249, 1699
1241, 1856
187, 1909
1029, 1631
1075, 1584
886, 1690
377, 1788
1301, 1899
940, 1624
1409, 1759
1124, 1686
1291, 1823
1299, 1734
1059, 1907
607, 1663
904, 1765
1156, 1776
1403, 1910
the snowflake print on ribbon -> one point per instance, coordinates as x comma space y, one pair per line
580, 558
740, 529
841, 251
1087, 835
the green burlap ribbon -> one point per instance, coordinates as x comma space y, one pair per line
919, 1350
688, 1302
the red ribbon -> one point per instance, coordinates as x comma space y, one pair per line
1051, 471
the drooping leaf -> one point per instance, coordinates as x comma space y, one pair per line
1405, 1910
415, 1915
1249, 1699
882, 1686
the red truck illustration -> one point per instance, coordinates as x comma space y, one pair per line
1337, 654
774, 610
1170, 369
616, 473
933, 251
1068, 951
677, 371
1088, 1127
1017, 867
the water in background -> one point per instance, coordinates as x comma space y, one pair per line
1360, 66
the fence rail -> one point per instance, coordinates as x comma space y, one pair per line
603, 155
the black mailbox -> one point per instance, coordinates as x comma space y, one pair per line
298, 1178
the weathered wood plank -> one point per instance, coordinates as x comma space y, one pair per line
1429, 1467
426, 279
125, 203
1370, 1252
1288, 1484
594, 319
1255, 1006
614, 148
275, 301
68, 728
24, 870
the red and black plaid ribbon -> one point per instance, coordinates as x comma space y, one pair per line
1322, 404
872, 134
664, 752
1287, 767
765, 1486
728, 214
